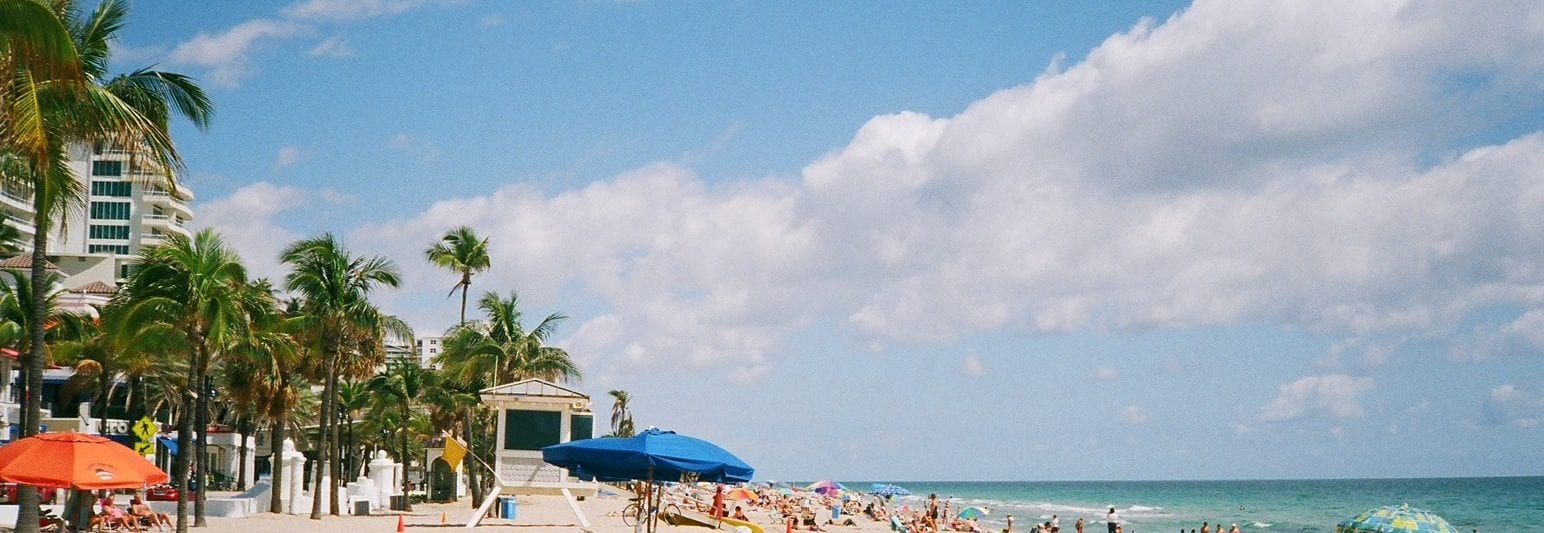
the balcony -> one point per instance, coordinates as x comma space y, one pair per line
169, 201
157, 222
16, 198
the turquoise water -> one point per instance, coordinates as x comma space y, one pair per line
1492, 505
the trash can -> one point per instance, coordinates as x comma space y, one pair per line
507, 507
361, 507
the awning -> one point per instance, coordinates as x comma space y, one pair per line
169, 443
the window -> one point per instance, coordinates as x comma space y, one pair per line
123, 271
433, 351
581, 427
106, 168
108, 232
110, 210
120, 249
531, 430
111, 188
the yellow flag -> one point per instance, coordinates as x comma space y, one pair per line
454, 451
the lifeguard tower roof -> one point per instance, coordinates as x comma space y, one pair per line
532, 390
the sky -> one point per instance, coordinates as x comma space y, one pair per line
936, 241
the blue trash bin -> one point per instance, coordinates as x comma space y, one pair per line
507, 508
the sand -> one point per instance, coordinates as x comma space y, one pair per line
534, 513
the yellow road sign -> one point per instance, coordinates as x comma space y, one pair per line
145, 428
144, 447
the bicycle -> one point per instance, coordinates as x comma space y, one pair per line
633, 513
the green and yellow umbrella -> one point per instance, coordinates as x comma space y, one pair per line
1391, 519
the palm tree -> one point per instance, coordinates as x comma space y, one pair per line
335, 291
273, 357
403, 383
354, 397
499, 346
462, 252
621, 415
191, 292
60, 95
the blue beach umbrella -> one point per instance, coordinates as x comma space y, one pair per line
886, 489
1391, 519
651, 455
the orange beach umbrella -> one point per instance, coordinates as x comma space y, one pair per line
740, 494
74, 460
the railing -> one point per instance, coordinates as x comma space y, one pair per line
154, 216
15, 196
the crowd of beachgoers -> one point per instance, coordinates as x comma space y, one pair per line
805, 510
822, 510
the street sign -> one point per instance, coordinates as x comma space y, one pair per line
145, 429
144, 448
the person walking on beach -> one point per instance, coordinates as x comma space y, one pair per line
1112, 520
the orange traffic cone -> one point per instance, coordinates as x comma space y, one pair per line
401, 526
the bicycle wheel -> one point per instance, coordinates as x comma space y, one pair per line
630, 514
674, 512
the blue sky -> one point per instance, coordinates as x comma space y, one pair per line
1109, 240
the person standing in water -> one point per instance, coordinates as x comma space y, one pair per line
1078, 525
1112, 520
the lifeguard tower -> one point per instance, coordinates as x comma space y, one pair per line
534, 414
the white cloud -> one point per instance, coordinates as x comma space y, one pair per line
349, 9
424, 152
332, 47
1263, 164
246, 220
1106, 373
1337, 394
1521, 337
288, 156
1134, 415
1512, 405
972, 366
226, 54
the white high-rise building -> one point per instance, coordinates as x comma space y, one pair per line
127, 208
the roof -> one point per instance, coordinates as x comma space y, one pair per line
534, 387
95, 287
24, 261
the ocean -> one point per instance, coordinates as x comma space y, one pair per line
1491, 505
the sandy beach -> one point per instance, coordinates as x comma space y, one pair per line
535, 513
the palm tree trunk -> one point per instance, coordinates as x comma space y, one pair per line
32, 361
201, 474
332, 443
185, 443
243, 428
276, 458
329, 362
407, 460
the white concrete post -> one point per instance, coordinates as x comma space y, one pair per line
294, 476
382, 473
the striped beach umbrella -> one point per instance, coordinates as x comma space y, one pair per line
825, 484
1391, 519
971, 513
